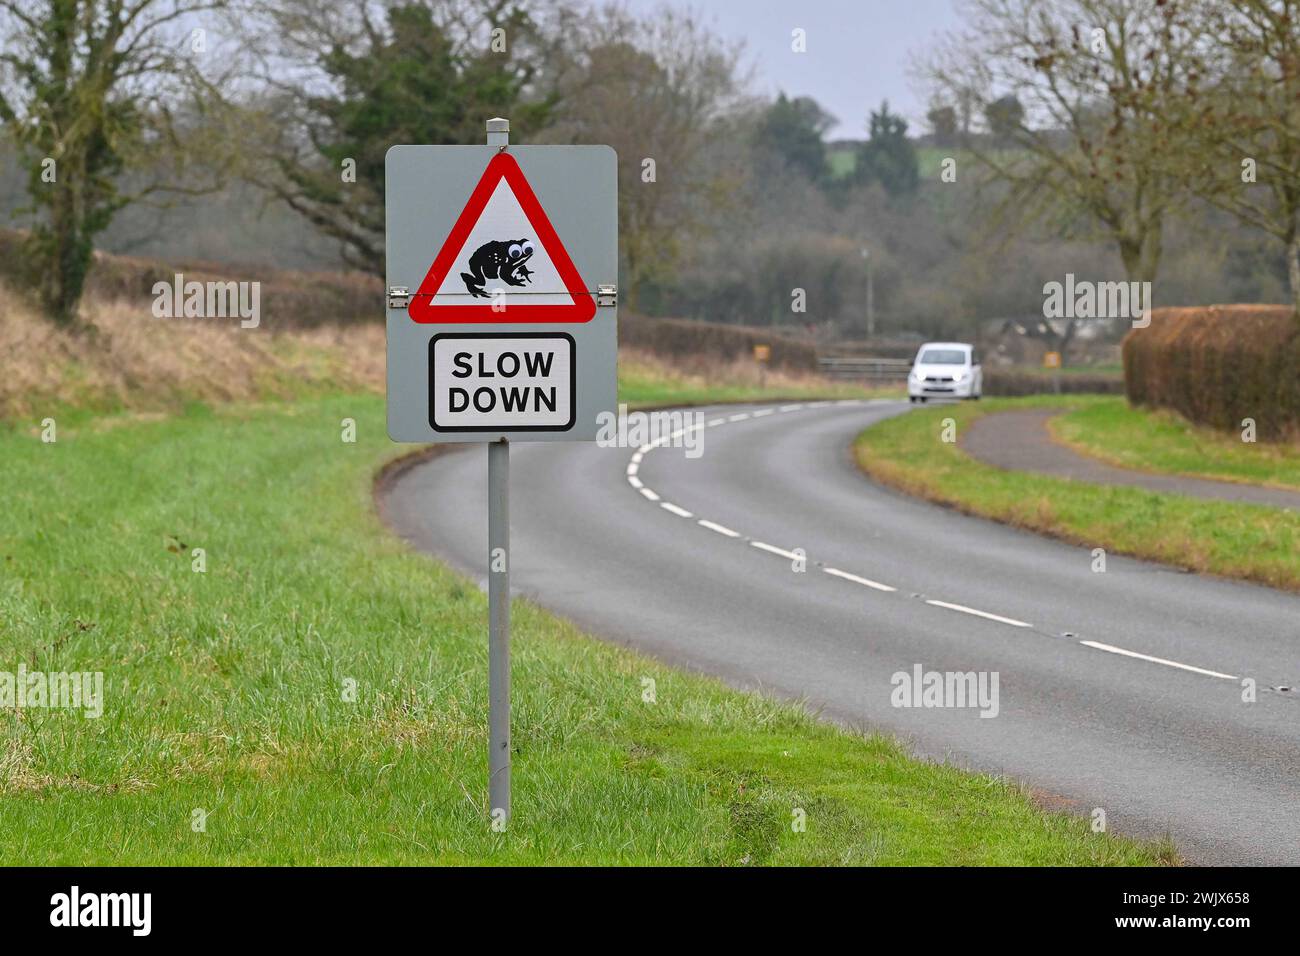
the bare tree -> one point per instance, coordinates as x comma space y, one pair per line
1248, 129
662, 91
91, 96
1106, 87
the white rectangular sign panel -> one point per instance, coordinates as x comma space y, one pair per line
520, 381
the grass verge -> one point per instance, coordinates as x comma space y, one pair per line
1161, 441
1252, 542
230, 692
647, 380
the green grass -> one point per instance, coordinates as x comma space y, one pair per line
650, 386
1246, 541
1161, 441
225, 690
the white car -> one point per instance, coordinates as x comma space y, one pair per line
945, 370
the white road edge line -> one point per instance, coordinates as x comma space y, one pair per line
765, 411
649, 494
1110, 648
857, 580
970, 610
767, 547
680, 512
712, 526
738, 418
635, 482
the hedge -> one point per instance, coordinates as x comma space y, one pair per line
1014, 382
1217, 365
288, 298
682, 340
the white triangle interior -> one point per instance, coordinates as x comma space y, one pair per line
502, 221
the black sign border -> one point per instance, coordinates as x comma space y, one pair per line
495, 429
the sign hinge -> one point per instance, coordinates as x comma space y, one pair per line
606, 295
399, 297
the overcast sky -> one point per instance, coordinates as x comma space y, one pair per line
857, 50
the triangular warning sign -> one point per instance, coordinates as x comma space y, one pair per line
503, 261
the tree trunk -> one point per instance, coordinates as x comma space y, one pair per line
1293, 271
63, 255
1141, 254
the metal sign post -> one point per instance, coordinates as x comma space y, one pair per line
499, 628
498, 134
502, 299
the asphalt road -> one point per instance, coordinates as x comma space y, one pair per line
1020, 441
1145, 720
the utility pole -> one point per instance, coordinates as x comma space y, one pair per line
871, 309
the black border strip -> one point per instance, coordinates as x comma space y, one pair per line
496, 429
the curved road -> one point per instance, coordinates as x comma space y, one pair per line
1120, 690
1021, 441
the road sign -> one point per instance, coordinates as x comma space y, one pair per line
517, 381
502, 295
512, 257
1052, 360
762, 353
510, 334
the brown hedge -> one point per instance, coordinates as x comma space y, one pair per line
1219, 364
289, 298
1015, 382
684, 340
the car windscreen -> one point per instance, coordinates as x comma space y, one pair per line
942, 357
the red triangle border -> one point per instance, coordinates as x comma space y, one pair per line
424, 310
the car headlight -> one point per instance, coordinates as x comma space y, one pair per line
959, 377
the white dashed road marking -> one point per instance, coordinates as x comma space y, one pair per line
767, 547
970, 610
1155, 660
857, 580
719, 528
632, 479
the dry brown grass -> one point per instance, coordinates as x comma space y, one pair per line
122, 358
712, 372
125, 358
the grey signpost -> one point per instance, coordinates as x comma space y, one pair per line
502, 267
498, 134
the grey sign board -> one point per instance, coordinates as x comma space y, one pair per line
498, 325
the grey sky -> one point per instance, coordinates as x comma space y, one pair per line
857, 49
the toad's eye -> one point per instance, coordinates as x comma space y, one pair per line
514, 251
528, 248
